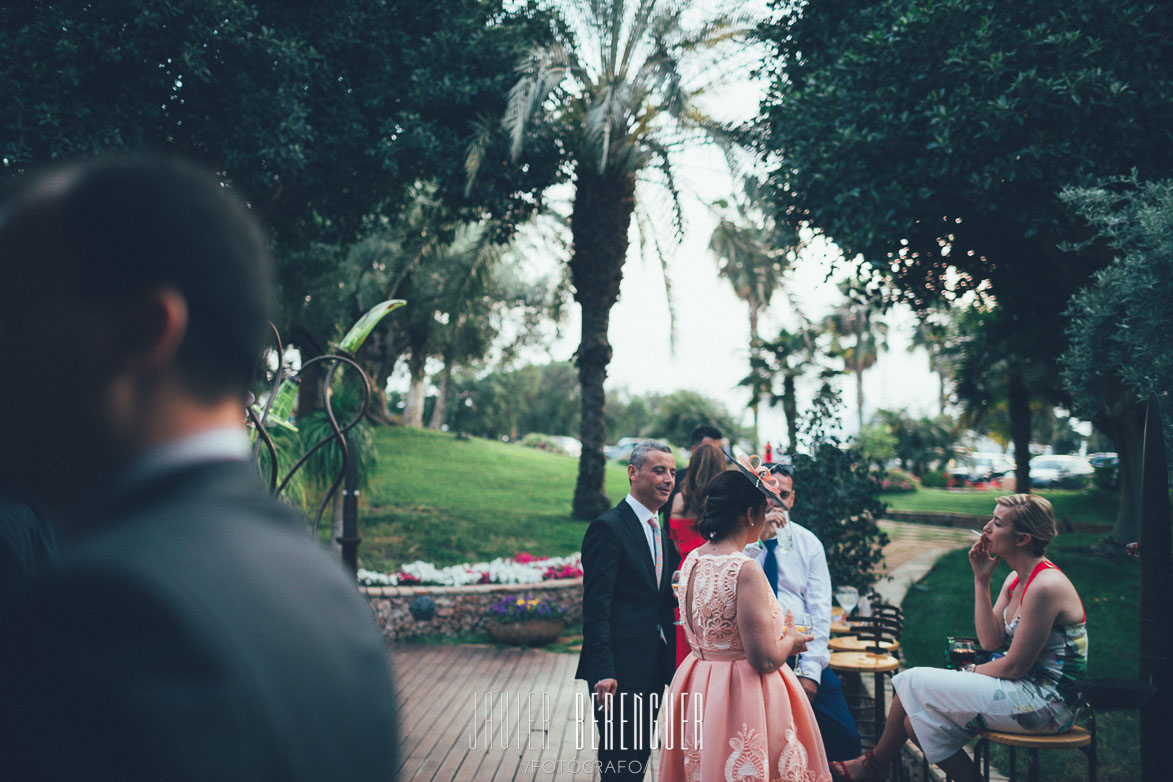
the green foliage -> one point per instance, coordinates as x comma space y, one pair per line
1121, 324
512, 403
678, 413
323, 116
930, 136
838, 499
920, 443
933, 479
877, 443
896, 481
941, 604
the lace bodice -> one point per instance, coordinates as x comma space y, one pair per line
711, 622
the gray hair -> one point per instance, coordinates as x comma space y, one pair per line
639, 454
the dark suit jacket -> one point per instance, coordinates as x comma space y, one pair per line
27, 546
623, 608
197, 635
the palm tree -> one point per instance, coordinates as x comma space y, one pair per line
612, 88
934, 332
858, 334
747, 259
786, 358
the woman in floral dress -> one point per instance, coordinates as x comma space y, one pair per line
735, 710
1032, 689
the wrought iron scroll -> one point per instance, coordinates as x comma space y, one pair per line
337, 434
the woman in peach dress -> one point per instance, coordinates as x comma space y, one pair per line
707, 462
735, 711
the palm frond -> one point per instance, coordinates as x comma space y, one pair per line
482, 137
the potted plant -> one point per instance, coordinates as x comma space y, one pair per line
525, 620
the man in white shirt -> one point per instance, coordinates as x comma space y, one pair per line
802, 583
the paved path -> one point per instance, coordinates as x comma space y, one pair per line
483, 714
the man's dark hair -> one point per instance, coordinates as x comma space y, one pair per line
703, 431
117, 227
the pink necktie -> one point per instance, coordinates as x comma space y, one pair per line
659, 556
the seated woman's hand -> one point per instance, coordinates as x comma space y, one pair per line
979, 559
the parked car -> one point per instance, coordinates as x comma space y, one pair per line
1107, 467
975, 468
571, 445
1059, 472
621, 451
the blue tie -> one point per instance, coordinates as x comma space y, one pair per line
771, 565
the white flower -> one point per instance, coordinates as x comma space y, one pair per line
500, 570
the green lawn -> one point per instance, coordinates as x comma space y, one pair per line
941, 604
447, 501
1090, 506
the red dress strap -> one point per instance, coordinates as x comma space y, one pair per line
1043, 565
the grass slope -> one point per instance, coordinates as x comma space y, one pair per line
941, 604
447, 501
1091, 506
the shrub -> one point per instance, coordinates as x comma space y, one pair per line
542, 442
838, 498
898, 481
933, 479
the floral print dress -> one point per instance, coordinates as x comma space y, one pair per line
948, 708
722, 719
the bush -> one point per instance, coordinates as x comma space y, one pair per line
543, 442
898, 481
1107, 476
933, 479
838, 498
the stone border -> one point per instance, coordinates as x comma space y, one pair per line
462, 610
973, 521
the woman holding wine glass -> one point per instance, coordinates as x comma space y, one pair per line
1032, 689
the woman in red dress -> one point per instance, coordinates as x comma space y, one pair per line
707, 462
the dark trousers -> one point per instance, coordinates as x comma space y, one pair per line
625, 741
836, 725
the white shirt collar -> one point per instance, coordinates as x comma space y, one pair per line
642, 512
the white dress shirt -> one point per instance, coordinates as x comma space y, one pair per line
804, 584
643, 513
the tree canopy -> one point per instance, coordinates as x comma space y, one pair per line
323, 116
935, 136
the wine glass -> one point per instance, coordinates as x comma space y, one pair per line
784, 535
848, 598
962, 652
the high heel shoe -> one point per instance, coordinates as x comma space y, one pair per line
871, 770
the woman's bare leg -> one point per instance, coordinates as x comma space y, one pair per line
897, 732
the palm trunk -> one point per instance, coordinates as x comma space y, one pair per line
1018, 401
440, 411
603, 205
790, 409
413, 413
859, 396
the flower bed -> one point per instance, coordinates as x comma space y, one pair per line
523, 568
421, 600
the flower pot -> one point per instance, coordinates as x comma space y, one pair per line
529, 632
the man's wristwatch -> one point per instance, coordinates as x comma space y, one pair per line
971, 667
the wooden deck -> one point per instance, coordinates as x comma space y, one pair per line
483, 714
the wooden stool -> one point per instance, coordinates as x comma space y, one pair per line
866, 662
1075, 738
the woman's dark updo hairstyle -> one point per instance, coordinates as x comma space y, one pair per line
730, 494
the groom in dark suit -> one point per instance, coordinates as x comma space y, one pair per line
628, 639
190, 630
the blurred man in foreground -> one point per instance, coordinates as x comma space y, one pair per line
191, 630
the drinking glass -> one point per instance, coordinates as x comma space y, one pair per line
802, 622
785, 535
676, 593
848, 598
962, 652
